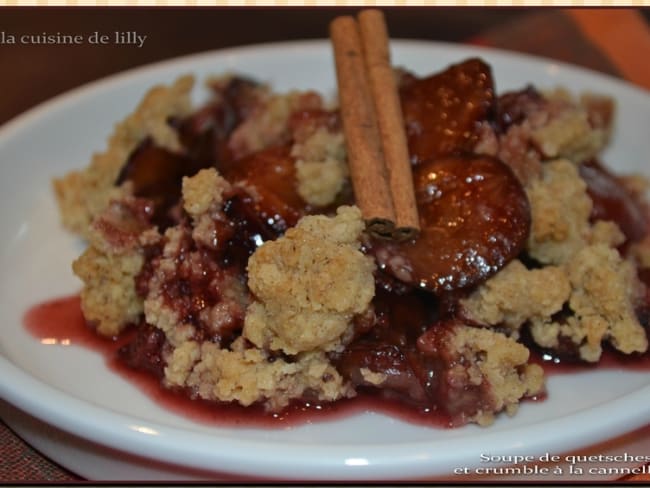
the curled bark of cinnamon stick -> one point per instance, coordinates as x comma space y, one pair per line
365, 156
374, 37
373, 126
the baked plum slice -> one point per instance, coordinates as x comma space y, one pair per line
612, 201
245, 228
400, 315
512, 108
443, 112
156, 174
206, 132
474, 218
270, 177
145, 350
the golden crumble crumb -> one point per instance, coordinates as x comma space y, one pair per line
600, 110
181, 362
516, 295
309, 284
110, 264
498, 366
372, 377
268, 124
560, 209
569, 135
546, 333
605, 292
320, 182
202, 191
320, 166
606, 232
108, 299
203, 201
248, 375
559, 94
157, 313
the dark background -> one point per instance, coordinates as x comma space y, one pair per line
33, 73
30, 74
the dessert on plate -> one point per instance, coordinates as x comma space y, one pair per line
231, 237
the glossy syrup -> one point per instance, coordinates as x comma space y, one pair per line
609, 360
61, 322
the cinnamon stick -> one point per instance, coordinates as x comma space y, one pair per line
375, 41
365, 154
374, 126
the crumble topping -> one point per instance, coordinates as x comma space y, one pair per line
111, 262
321, 166
518, 294
203, 200
309, 284
203, 191
569, 135
541, 127
246, 308
84, 194
483, 372
570, 127
515, 149
251, 375
589, 300
268, 124
108, 299
303, 266
503, 364
575, 252
561, 210
605, 293
372, 377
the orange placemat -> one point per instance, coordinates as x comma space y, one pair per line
613, 41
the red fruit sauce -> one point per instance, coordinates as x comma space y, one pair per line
61, 322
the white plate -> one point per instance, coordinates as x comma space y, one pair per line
72, 390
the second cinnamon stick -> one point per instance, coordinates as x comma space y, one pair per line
365, 154
374, 37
